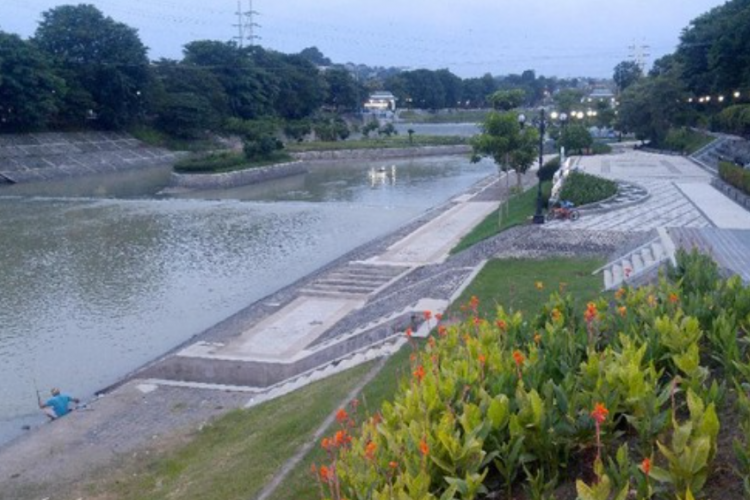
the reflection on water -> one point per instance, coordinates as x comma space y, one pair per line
382, 176
93, 287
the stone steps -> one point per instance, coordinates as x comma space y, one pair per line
354, 279
638, 262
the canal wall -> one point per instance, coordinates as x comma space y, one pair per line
51, 156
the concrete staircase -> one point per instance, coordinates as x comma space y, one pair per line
636, 264
355, 279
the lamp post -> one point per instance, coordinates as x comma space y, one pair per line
538, 216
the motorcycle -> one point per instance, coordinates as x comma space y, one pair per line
563, 212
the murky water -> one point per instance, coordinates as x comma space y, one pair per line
100, 276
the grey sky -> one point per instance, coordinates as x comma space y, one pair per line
470, 37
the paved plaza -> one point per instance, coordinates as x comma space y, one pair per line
680, 195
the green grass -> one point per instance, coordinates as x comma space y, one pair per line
226, 161
234, 456
520, 208
472, 116
512, 283
300, 484
157, 138
398, 141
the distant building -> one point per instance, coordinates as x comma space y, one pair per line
600, 93
381, 101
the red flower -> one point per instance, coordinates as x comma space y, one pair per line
622, 310
341, 438
591, 312
341, 415
482, 359
325, 443
370, 450
408, 333
419, 373
474, 302
427, 315
674, 298
502, 325
392, 464
325, 474
423, 447
519, 358
646, 466
438, 316
442, 331
600, 412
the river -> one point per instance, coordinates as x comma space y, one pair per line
101, 275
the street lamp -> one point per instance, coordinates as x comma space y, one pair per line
538, 216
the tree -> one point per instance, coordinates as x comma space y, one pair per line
650, 107
315, 56
626, 74
509, 144
102, 60
342, 91
568, 99
505, 100
30, 93
575, 137
300, 86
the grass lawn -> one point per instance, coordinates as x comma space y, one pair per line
234, 456
398, 141
512, 283
521, 207
467, 116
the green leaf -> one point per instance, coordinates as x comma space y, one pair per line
498, 412
661, 475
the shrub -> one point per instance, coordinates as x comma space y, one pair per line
582, 189
684, 140
600, 148
548, 170
212, 162
735, 175
490, 404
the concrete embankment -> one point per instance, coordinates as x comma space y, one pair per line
304, 162
50, 156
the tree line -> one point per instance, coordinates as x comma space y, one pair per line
82, 69
712, 59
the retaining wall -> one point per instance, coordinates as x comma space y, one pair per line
376, 154
732, 192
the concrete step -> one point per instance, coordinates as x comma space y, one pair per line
608, 280
617, 274
638, 263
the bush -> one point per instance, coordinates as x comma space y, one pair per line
509, 401
735, 175
734, 120
583, 189
548, 170
212, 162
600, 148
262, 148
684, 140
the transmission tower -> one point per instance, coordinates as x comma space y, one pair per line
639, 53
246, 24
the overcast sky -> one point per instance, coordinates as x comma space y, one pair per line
562, 38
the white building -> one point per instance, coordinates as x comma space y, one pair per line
381, 101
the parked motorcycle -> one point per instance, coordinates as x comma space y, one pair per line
563, 212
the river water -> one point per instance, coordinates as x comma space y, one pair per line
99, 276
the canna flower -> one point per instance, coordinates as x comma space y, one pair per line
326, 443
477, 321
370, 450
341, 438
325, 474
419, 373
622, 310
674, 298
438, 316
539, 285
408, 333
427, 315
646, 466
423, 447
442, 331
392, 464
519, 358
556, 314
341, 416
600, 412
502, 325
591, 312
474, 303
482, 359
620, 293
